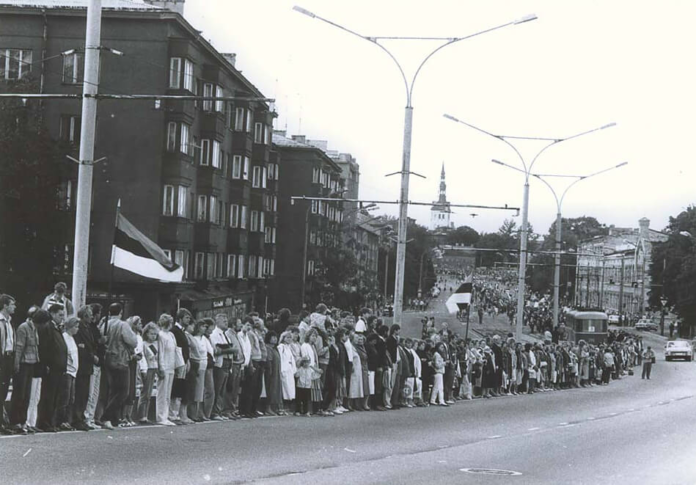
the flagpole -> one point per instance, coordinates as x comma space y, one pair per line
113, 253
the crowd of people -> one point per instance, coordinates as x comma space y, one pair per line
86, 371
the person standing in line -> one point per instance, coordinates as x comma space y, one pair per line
221, 367
95, 379
66, 397
361, 324
195, 377
648, 360
26, 359
121, 346
288, 367
58, 298
166, 363
231, 410
86, 348
209, 383
7, 342
53, 356
150, 335
437, 396
177, 411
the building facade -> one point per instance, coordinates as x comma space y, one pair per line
613, 271
197, 177
441, 211
308, 229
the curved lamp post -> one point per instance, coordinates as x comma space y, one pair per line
408, 129
525, 206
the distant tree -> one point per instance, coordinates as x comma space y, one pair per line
463, 235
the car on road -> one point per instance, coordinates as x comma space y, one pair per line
646, 324
679, 349
613, 319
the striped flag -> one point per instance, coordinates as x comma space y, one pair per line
461, 298
134, 252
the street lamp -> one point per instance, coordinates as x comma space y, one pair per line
559, 204
525, 206
408, 129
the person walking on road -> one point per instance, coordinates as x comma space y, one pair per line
648, 360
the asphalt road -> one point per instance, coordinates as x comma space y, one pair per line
631, 432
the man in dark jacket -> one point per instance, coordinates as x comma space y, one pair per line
86, 350
383, 374
498, 354
53, 359
179, 405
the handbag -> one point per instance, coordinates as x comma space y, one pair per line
652, 360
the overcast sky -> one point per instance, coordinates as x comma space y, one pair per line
581, 65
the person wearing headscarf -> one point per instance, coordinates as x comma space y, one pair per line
288, 367
488, 372
274, 387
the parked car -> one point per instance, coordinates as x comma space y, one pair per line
646, 324
679, 349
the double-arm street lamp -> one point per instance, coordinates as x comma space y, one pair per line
525, 205
559, 204
408, 129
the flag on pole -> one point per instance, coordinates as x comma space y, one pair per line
461, 298
134, 252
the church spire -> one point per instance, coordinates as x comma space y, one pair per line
443, 187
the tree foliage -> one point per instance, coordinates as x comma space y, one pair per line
463, 235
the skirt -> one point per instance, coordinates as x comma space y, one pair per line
371, 382
315, 392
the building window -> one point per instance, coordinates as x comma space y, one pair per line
248, 121
258, 132
70, 127
261, 267
254, 226
252, 266
256, 177
210, 266
243, 217
189, 80
171, 136
234, 215
310, 268
65, 195
272, 268
180, 258
216, 154
245, 172
219, 103
175, 72
14, 63
314, 206
273, 236
202, 208
264, 177
262, 221
275, 203
214, 210
74, 68
181, 202
315, 175
205, 153
199, 266
208, 92
184, 146
236, 166
231, 265
267, 235
239, 119
266, 135
168, 203
240, 267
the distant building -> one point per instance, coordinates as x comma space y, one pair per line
307, 229
613, 271
440, 212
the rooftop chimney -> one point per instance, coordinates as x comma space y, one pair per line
173, 5
230, 57
644, 224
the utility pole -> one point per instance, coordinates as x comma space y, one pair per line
386, 277
621, 292
87, 136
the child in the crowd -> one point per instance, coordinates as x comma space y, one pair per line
66, 398
304, 376
150, 335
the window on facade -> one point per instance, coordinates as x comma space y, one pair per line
208, 92
264, 177
243, 217
267, 235
202, 208
70, 127
65, 195
73, 68
273, 236
256, 177
315, 175
231, 268
215, 154
171, 136
262, 221
239, 119
236, 166
275, 203
261, 267
312, 237
185, 145
175, 72
181, 203
219, 103
14, 63
245, 171
310, 267
240, 267
234, 215
214, 210
210, 266
314, 206
247, 127
168, 201
199, 266
180, 258
254, 226
252, 266
189, 80
272, 269
266, 135
205, 153
258, 132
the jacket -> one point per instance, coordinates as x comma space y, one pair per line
86, 348
53, 351
121, 344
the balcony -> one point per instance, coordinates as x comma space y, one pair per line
213, 125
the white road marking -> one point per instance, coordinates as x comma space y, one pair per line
494, 437
533, 429
25, 454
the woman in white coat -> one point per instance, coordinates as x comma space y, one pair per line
288, 367
166, 363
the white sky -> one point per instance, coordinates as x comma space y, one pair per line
581, 65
